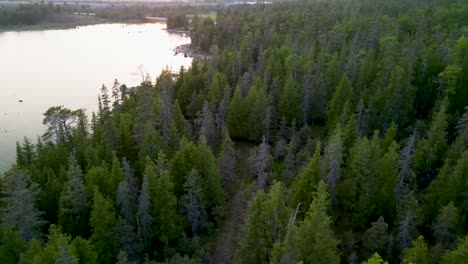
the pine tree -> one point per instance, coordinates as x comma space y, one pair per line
57, 250
167, 223
405, 172
307, 181
458, 255
116, 93
407, 221
99, 177
122, 258
127, 197
84, 250
431, 150
446, 225
333, 161
307, 97
151, 144
342, 94
394, 103
117, 175
217, 88
28, 152
449, 186
290, 101
375, 259
261, 164
19, 194
237, 115
103, 222
72, 205
266, 224
386, 177
192, 202
227, 162
207, 124
12, 246
418, 253
376, 238
144, 218
145, 115
316, 240
256, 102
129, 240
163, 104
179, 120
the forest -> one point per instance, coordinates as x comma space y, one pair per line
313, 132
59, 14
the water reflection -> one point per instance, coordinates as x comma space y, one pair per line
68, 67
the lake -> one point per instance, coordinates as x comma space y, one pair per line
68, 67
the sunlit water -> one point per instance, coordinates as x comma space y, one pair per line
68, 67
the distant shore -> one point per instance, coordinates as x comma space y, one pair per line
65, 25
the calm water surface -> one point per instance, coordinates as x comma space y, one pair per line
68, 67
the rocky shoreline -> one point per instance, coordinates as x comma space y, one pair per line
187, 51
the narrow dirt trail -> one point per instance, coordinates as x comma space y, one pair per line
227, 238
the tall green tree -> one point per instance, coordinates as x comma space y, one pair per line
73, 211
307, 181
266, 223
315, 241
431, 150
103, 222
342, 94
418, 253
18, 200
57, 250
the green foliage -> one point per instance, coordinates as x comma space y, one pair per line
57, 250
238, 115
72, 215
446, 226
430, 151
99, 177
307, 181
289, 75
11, 246
84, 251
376, 238
167, 223
267, 218
341, 97
103, 222
375, 259
314, 241
418, 253
458, 255
18, 199
289, 105
200, 158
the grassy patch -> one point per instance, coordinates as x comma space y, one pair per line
211, 15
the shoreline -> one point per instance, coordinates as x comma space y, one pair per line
187, 51
179, 31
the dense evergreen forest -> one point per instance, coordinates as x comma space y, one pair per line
313, 132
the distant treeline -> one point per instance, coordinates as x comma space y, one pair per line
26, 14
35, 14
